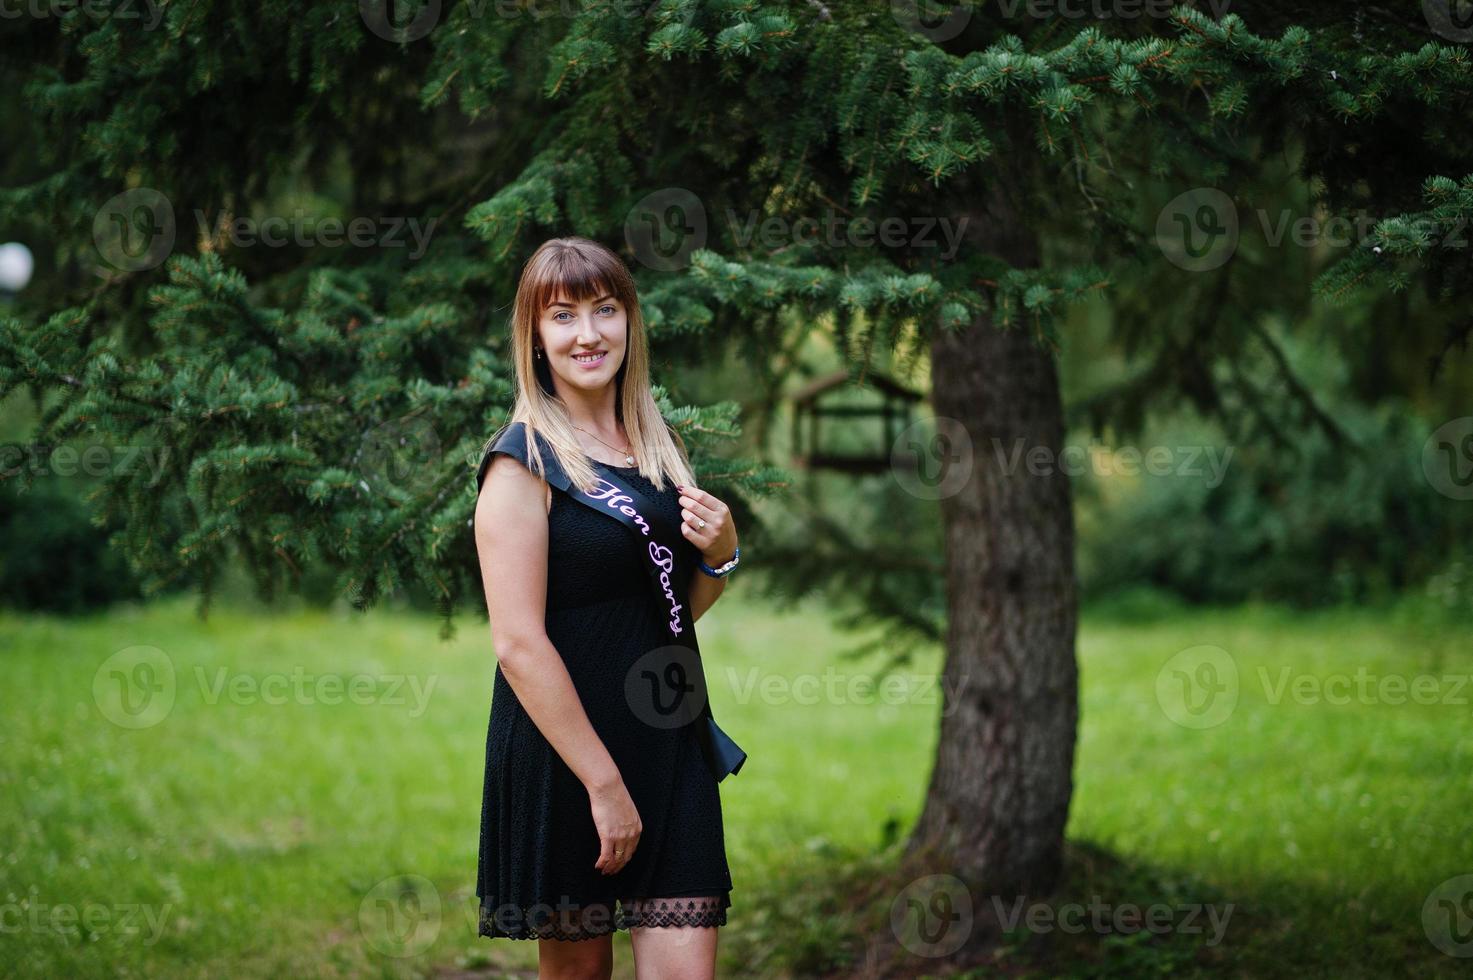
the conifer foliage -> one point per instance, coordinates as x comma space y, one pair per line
321, 394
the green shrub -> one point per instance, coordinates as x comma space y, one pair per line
52, 558
1311, 525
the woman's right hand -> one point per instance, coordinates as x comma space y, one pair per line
618, 826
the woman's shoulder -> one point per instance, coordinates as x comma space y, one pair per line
512, 440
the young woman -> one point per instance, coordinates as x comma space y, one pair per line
593, 819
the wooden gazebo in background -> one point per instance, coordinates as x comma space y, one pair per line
816, 401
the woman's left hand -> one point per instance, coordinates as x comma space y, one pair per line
717, 541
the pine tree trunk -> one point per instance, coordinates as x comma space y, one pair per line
999, 795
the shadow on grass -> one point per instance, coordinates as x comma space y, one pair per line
833, 915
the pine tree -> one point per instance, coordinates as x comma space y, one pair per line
324, 407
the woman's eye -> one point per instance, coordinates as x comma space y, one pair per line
607, 306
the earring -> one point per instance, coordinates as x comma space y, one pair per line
539, 352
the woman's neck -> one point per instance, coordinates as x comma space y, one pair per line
594, 412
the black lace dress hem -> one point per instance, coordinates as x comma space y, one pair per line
547, 921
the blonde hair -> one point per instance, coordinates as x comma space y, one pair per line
583, 269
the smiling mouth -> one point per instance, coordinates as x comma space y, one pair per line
590, 359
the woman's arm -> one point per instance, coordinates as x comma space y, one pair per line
716, 541
511, 540
704, 591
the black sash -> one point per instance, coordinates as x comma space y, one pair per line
670, 574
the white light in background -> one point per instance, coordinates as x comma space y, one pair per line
16, 265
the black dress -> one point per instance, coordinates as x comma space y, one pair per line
538, 840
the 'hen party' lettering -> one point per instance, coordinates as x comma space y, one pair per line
664, 558
615, 499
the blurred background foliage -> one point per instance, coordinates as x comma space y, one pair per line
1323, 500
1303, 519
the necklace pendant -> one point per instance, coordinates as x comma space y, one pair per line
629, 460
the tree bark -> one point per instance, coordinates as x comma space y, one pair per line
999, 794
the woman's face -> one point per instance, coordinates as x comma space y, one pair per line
570, 331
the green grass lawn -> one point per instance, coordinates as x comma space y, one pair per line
300, 795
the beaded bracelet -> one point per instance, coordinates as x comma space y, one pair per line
725, 567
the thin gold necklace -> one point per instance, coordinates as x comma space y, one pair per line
628, 452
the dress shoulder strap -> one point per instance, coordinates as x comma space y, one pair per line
511, 439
